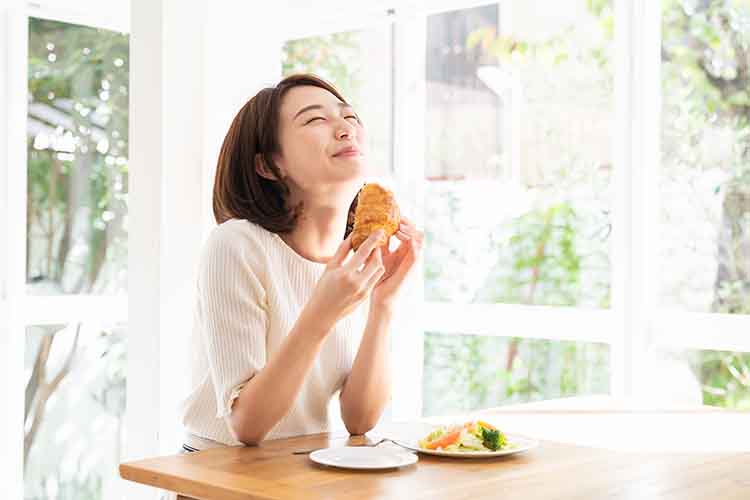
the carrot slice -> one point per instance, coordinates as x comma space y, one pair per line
486, 425
444, 441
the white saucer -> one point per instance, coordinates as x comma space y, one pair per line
363, 457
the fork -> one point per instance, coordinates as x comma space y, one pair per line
372, 445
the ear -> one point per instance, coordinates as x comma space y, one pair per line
262, 169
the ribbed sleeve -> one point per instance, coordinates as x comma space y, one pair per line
251, 289
235, 320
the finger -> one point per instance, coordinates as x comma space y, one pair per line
372, 272
377, 272
374, 261
407, 262
407, 227
365, 249
402, 236
419, 239
341, 252
403, 247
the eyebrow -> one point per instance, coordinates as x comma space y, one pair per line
318, 106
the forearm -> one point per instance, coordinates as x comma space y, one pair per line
368, 386
270, 394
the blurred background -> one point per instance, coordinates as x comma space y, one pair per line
517, 187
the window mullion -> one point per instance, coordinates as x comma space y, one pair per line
146, 155
683, 330
637, 87
409, 36
622, 233
59, 309
539, 322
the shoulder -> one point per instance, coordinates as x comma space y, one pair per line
237, 239
237, 232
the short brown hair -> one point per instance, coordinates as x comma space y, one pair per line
239, 191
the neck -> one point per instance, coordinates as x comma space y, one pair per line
319, 231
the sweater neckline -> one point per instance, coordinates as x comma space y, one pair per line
296, 256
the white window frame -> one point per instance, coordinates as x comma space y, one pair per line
17, 309
13, 64
634, 323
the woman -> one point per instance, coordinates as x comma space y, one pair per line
287, 314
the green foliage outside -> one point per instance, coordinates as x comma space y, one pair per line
78, 80
706, 83
546, 256
335, 58
706, 78
78, 89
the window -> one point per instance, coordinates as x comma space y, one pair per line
516, 201
76, 397
702, 228
573, 247
76, 260
517, 197
470, 372
77, 160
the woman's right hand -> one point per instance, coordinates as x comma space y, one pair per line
345, 284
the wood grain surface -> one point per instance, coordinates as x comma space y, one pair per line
554, 470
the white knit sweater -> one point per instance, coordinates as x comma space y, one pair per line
251, 289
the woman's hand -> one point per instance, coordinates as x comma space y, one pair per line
345, 284
398, 264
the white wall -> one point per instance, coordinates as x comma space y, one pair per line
183, 98
242, 55
12, 202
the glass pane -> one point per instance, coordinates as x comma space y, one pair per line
694, 377
75, 404
469, 372
358, 64
77, 133
518, 193
704, 180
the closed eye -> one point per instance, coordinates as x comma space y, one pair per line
313, 119
353, 116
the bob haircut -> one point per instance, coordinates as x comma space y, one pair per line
239, 191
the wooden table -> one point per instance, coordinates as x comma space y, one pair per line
616, 453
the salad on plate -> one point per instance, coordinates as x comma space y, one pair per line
474, 436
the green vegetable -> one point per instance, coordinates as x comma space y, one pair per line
493, 439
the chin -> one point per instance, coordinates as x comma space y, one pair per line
356, 172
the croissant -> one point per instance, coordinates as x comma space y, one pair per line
374, 208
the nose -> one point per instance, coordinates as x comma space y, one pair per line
345, 131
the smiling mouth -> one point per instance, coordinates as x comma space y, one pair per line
348, 153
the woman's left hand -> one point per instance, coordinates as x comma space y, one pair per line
398, 263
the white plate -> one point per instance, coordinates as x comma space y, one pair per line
516, 444
363, 457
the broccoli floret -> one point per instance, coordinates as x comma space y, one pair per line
493, 439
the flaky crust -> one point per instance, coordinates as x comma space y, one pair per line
376, 209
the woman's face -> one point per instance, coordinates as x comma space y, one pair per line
323, 143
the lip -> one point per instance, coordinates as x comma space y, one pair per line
348, 151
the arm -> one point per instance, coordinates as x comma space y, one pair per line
278, 383
269, 395
368, 386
